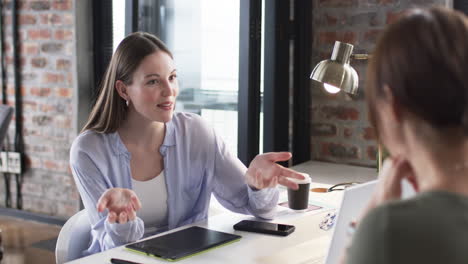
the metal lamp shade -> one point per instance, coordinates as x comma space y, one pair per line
336, 71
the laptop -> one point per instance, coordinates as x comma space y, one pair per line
354, 200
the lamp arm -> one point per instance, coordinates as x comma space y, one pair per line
360, 56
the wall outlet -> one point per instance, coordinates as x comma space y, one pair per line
10, 162
14, 162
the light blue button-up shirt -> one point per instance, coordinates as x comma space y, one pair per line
197, 163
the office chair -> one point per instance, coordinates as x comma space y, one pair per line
74, 238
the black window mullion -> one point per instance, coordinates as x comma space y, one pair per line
249, 79
102, 38
276, 76
301, 100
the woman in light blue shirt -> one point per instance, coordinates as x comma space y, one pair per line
140, 168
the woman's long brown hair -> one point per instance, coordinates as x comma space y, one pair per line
110, 109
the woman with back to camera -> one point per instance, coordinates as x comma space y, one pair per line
135, 153
417, 93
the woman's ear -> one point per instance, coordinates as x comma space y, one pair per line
122, 89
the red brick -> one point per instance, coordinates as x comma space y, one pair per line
10, 90
39, 34
63, 122
27, 19
39, 5
63, 64
338, 150
331, 37
38, 62
323, 129
52, 47
53, 78
46, 108
29, 105
51, 165
63, 34
30, 48
340, 112
37, 91
327, 37
331, 20
56, 19
62, 5
64, 92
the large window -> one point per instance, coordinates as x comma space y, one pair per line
204, 38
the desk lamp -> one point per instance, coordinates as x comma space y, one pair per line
336, 74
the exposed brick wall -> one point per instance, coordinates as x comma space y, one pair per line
340, 131
47, 55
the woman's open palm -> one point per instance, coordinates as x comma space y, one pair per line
122, 205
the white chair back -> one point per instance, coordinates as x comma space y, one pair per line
74, 238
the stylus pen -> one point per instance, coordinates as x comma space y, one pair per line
122, 261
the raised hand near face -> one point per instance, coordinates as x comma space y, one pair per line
388, 188
264, 172
122, 205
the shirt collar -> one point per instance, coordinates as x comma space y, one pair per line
169, 139
119, 147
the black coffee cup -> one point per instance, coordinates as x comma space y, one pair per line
299, 199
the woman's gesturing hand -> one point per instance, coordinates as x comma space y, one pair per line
121, 203
264, 172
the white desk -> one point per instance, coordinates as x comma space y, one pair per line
308, 244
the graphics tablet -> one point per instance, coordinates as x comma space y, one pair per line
182, 244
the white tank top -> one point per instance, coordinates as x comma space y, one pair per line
153, 198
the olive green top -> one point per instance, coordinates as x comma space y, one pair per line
432, 227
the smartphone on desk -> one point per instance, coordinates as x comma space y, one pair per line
264, 227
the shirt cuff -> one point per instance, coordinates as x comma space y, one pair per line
125, 233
